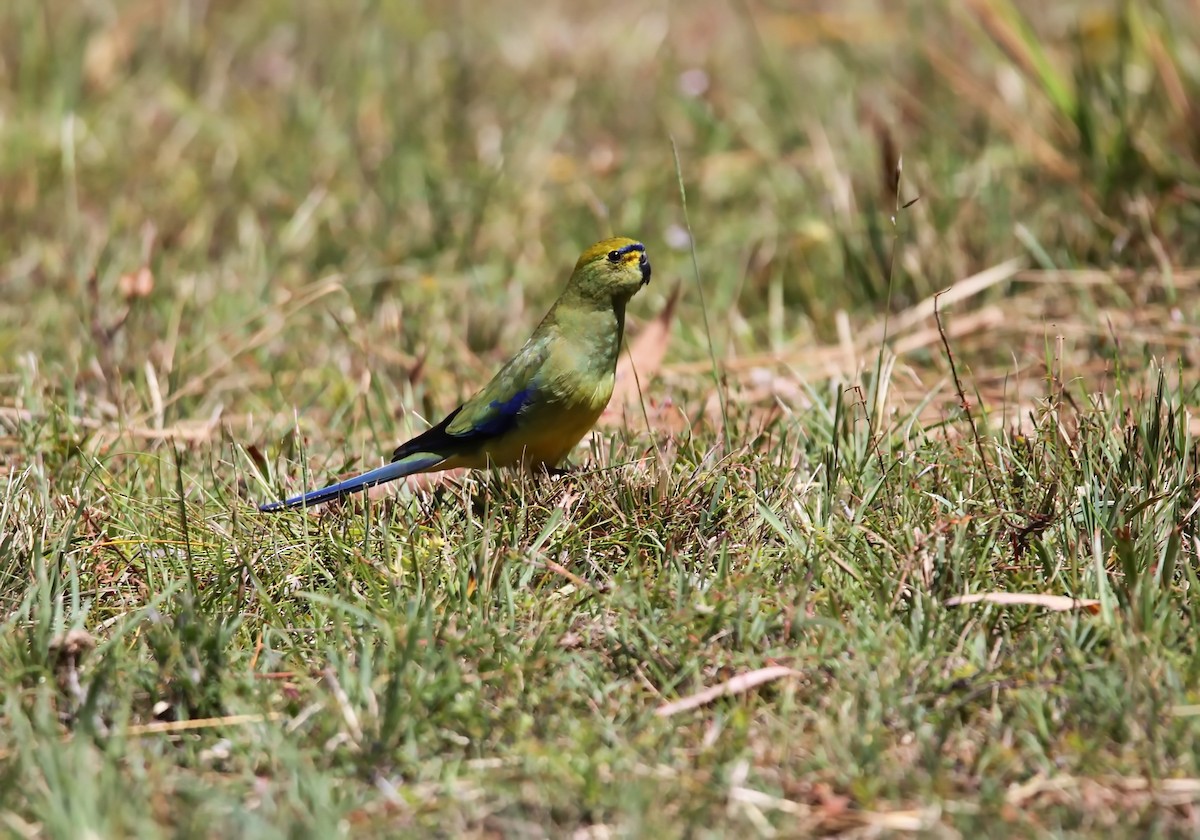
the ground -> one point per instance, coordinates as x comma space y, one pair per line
890, 527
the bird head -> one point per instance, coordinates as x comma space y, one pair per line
611, 270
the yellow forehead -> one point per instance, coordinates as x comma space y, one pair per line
601, 248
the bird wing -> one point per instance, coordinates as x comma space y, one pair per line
491, 413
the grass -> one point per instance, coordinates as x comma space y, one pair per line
250, 247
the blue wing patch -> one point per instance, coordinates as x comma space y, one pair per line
437, 439
505, 414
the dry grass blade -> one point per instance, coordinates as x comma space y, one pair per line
1057, 603
168, 726
190, 431
964, 289
1105, 790
737, 685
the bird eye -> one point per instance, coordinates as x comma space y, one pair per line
614, 256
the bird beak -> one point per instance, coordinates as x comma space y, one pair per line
644, 265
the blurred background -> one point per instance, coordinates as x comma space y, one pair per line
216, 207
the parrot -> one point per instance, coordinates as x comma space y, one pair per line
544, 400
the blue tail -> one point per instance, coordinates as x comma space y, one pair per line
388, 472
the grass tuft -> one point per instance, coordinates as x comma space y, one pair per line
249, 247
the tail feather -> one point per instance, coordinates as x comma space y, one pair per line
388, 472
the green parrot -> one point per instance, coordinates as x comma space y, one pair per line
545, 399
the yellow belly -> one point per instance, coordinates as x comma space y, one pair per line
547, 432
545, 438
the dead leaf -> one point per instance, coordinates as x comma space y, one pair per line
1057, 603
737, 685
